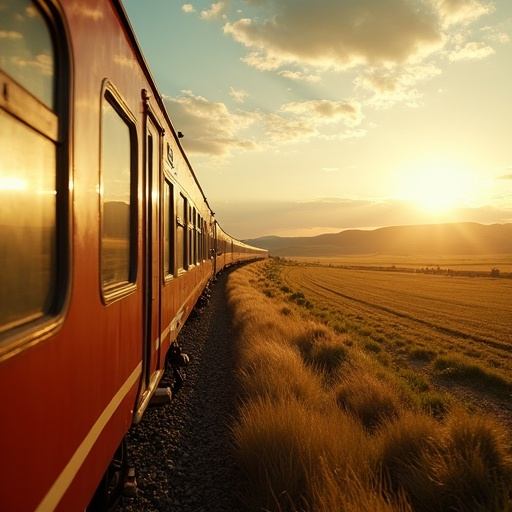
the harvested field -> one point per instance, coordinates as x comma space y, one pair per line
470, 263
412, 318
434, 308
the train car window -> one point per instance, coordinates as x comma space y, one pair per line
181, 222
189, 237
200, 249
34, 81
169, 224
194, 236
205, 240
118, 188
26, 49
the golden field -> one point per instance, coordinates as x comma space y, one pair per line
372, 391
477, 263
411, 311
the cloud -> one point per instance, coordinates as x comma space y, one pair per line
472, 51
281, 130
11, 35
462, 11
392, 85
216, 11
387, 41
42, 63
209, 127
339, 34
325, 111
188, 8
298, 75
504, 177
238, 95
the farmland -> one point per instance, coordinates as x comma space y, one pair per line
433, 311
461, 263
449, 327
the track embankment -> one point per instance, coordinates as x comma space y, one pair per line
181, 452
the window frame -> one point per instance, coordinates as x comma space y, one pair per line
119, 290
55, 125
169, 220
182, 223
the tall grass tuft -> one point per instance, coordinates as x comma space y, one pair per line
371, 400
282, 445
321, 348
472, 468
457, 367
276, 371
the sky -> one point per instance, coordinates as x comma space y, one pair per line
303, 117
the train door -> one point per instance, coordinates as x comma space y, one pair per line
152, 250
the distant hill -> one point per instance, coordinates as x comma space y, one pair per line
426, 239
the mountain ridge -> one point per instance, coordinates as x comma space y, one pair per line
468, 238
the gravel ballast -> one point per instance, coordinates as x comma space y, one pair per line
182, 451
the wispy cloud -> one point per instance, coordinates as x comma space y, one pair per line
474, 50
325, 111
504, 177
216, 11
299, 75
211, 128
11, 35
238, 95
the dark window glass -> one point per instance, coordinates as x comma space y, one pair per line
116, 201
194, 236
200, 238
181, 221
168, 229
190, 242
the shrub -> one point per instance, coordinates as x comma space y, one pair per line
281, 446
371, 400
472, 467
423, 354
455, 367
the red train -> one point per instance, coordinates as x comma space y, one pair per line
107, 242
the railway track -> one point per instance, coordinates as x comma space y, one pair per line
181, 452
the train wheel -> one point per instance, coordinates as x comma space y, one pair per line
111, 486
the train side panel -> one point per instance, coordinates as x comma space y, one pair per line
108, 241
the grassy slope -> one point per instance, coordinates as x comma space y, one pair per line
325, 426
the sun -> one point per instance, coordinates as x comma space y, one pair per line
436, 186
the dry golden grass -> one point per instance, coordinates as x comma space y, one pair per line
325, 426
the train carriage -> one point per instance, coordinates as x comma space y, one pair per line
107, 242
